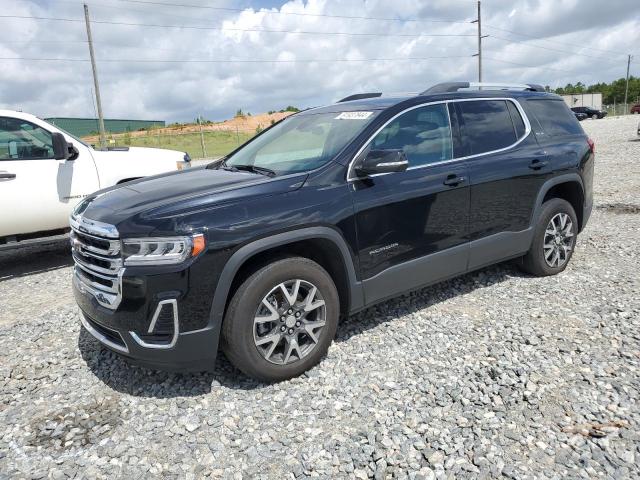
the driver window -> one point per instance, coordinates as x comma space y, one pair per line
22, 140
423, 134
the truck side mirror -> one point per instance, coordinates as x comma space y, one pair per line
61, 150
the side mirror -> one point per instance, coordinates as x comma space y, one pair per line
63, 150
383, 161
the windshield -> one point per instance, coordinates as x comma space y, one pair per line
301, 142
71, 135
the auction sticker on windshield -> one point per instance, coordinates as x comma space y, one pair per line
354, 115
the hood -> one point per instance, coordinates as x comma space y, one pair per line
177, 193
139, 153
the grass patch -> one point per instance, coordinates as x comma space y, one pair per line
216, 144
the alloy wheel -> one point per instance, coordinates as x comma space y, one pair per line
288, 321
558, 240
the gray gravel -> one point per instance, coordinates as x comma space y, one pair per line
494, 373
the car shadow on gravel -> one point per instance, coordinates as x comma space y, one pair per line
26, 261
124, 377
424, 298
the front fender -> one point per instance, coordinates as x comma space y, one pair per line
236, 261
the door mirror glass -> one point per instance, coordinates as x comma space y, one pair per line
383, 161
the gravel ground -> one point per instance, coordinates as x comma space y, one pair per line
494, 373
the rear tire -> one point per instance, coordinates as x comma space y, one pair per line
281, 320
554, 239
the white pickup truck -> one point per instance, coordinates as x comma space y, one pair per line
45, 172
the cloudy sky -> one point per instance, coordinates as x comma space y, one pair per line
211, 57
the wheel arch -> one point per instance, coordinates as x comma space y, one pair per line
569, 187
321, 244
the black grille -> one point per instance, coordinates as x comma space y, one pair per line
164, 323
109, 334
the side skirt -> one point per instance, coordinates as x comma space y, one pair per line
440, 266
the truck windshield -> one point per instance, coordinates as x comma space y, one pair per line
301, 142
70, 134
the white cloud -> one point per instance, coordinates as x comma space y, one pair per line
181, 91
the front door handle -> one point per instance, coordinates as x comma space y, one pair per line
453, 180
7, 176
538, 164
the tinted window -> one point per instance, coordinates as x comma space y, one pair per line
516, 118
487, 125
22, 140
423, 134
555, 117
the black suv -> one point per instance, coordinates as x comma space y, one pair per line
590, 112
323, 214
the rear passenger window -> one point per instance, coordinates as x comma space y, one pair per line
487, 125
518, 123
555, 117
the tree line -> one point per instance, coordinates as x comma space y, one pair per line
611, 92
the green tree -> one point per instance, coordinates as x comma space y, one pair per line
612, 92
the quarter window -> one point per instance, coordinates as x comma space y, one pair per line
487, 125
424, 134
22, 140
555, 117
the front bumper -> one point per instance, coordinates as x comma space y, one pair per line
132, 332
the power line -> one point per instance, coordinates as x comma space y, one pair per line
526, 43
545, 67
267, 12
46, 41
301, 14
547, 40
146, 60
231, 29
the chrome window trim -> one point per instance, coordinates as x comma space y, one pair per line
101, 338
160, 346
525, 119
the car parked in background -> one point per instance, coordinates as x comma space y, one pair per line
635, 109
581, 116
45, 172
325, 213
591, 112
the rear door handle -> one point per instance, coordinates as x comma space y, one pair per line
452, 180
538, 164
7, 176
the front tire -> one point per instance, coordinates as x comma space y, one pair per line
281, 320
554, 239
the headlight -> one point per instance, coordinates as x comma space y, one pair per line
161, 250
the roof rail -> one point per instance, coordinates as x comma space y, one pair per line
449, 87
360, 96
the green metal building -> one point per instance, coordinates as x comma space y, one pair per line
81, 127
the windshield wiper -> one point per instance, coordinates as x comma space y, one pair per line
254, 169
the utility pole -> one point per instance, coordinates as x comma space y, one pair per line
103, 140
626, 89
480, 37
204, 150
